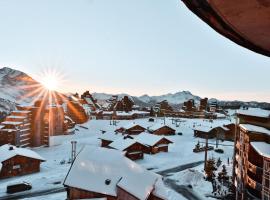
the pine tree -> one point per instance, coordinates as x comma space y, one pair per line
210, 168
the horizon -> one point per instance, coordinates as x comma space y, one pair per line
157, 48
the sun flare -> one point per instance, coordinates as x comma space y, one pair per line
50, 82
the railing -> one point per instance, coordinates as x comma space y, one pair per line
253, 184
254, 169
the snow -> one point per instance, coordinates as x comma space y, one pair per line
6, 153
93, 166
130, 125
254, 128
148, 139
262, 148
110, 136
180, 152
256, 112
122, 143
11, 123
158, 126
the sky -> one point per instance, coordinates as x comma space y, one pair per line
128, 46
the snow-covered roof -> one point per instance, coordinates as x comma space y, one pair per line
109, 136
2, 126
122, 143
253, 128
207, 129
15, 117
160, 190
130, 125
21, 111
11, 123
262, 148
158, 126
6, 153
93, 166
256, 112
149, 139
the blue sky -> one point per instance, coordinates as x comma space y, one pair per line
128, 46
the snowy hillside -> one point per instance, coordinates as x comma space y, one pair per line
146, 100
16, 85
176, 98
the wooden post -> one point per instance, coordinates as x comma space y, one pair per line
206, 151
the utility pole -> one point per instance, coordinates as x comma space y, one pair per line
206, 151
73, 150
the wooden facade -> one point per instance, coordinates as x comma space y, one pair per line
18, 166
105, 143
160, 146
135, 151
135, 130
76, 112
165, 130
75, 193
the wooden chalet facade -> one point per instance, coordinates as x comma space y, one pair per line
251, 172
132, 149
159, 129
131, 129
154, 144
219, 132
17, 161
76, 112
117, 181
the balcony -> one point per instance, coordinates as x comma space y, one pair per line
255, 169
253, 184
238, 145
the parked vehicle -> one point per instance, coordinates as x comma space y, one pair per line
18, 187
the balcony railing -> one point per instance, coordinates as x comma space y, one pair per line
253, 184
254, 169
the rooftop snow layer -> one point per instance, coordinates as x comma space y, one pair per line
148, 139
93, 166
262, 148
253, 128
122, 143
158, 126
256, 112
6, 153
130, 125
109, 136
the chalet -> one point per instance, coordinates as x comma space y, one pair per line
219, 132
132, 148
76, 112
106, 173
154, 143
161, 129
18, 161
108, 138
131, 129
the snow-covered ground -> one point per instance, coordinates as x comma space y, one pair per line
54, 170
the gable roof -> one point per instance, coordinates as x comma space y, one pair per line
253, 128
149, 139
109, 136
131, 125
122, 143
158, 126
6, 153
262, 148
255, 112
93, 166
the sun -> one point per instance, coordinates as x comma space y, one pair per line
50, 82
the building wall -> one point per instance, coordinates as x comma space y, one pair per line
164, 131
135, 130
19, 165
74, 194
124, 195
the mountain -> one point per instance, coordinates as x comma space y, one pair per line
145, 101
15, 87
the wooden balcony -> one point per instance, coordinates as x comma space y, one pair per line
255, 169
253, 184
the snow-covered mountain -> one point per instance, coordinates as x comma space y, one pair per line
176, 98
15, 87
146, 100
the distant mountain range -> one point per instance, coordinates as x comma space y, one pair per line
16, 87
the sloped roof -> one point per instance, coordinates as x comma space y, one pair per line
6, 153
131, 125
255, 112
253, 128
122, 143
93, 166
158, 126
149, 139
109, 136
262, 148
246, 23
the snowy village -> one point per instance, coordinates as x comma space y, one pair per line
134, 100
